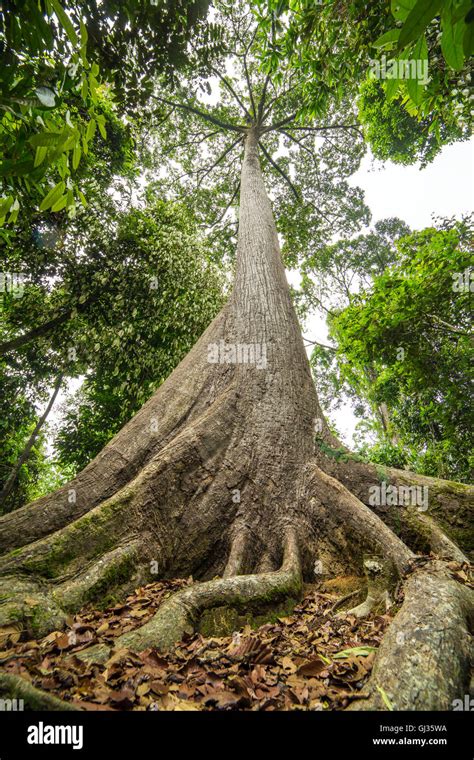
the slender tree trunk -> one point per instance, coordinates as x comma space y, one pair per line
24, 456
46, 328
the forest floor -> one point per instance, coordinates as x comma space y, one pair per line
309, 660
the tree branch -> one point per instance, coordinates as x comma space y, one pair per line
202, 115
247, 75
232, 91
278, 124
449, 327
321, 345
280, 171
329, 127
261, 102
200, 138
44, 329
234, 195
221, 158
278, 96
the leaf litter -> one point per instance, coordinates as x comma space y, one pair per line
310, 660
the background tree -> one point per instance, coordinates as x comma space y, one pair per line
404, 345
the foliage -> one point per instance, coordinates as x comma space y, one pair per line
335, 271
411, 112
67, 67
396, 135
405, 343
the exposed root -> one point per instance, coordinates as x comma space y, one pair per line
237, 557
112, 542
14, 687
349, 525
445, 527
438, 542
343, 599
423, 662
114, 569
180, 614
380, 582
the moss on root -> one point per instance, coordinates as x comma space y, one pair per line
90, 536
223, 621
14, 687
100, 580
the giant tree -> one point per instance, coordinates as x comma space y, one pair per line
230, 469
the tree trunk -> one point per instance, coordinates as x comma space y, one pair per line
25, 454
229, 470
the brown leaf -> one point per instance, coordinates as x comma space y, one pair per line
288, 664
152, 658
89, 705
9, 634
312, 667
123, 698
222, 699
158, 687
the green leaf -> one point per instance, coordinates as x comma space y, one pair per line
391, 88
48, 139
84, 35
101, 125
76, 155
385, 698
84, 88
452, 44
46, 96
65, 21
53, 195
391, 36
82, 198
5, 204
415, 87
417, 20
14, 211
401, 8
60, 204
40, 155
90, 131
